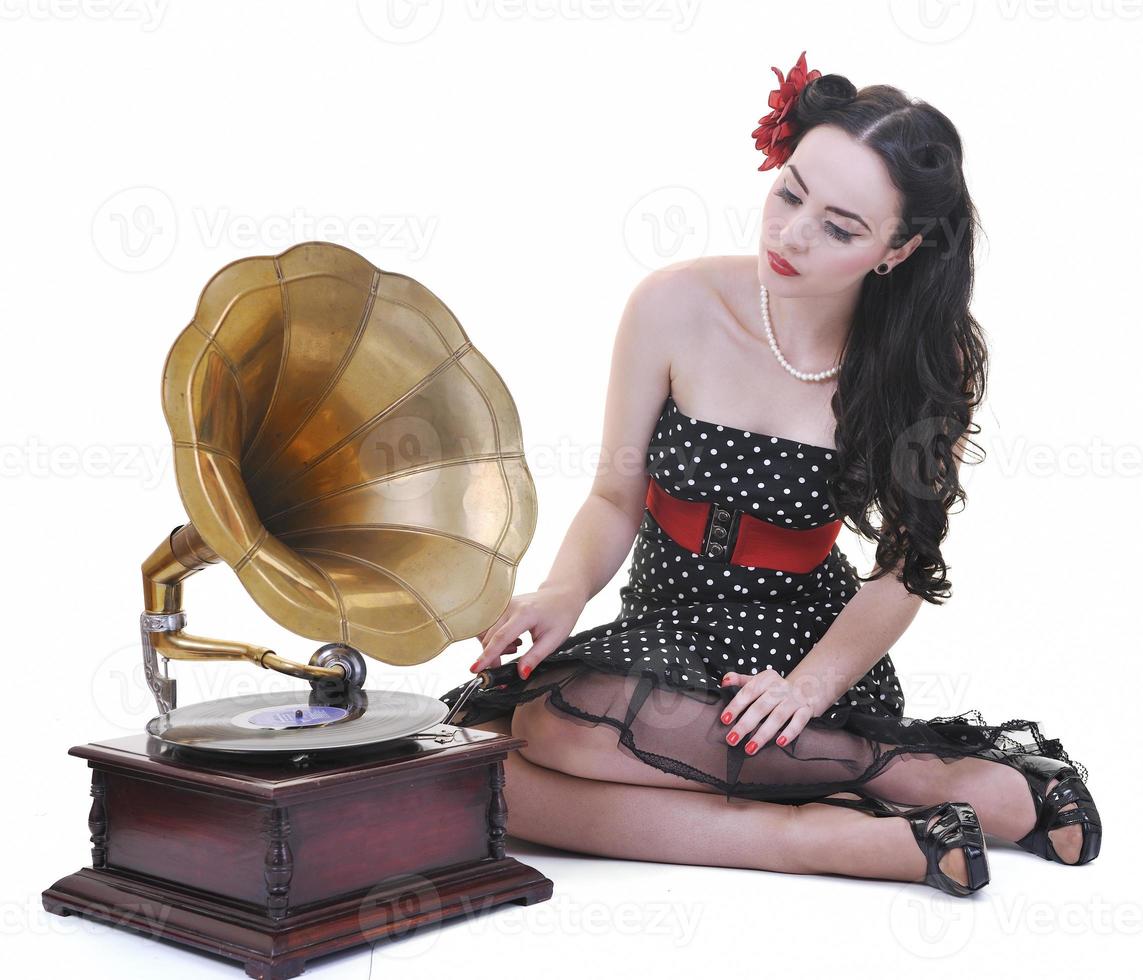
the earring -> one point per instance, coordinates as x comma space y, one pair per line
882, 269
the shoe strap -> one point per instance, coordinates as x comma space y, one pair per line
1070, 789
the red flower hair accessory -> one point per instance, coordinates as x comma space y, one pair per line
774, 131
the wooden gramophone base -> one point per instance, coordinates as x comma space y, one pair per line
273, 865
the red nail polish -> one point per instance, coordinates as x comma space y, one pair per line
472, 669
732, 738
751, 747
781, 739
525, 671
726, 716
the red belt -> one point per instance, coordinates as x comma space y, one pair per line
728, 535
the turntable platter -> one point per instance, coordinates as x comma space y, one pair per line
294, 721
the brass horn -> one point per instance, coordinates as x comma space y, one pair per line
339, 443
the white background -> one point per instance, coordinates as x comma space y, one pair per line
530, 162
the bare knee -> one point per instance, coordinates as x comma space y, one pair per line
533, 722
558, 741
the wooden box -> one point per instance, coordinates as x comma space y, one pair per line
274, 863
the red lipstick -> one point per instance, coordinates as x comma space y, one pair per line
780, 265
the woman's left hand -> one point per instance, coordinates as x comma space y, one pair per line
765, 695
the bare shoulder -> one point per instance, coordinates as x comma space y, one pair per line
676, 296
677, 303
651, 345
677, 282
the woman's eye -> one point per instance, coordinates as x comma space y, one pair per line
831, 229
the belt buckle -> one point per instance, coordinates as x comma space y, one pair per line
721, 533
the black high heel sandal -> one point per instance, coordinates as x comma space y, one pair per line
956, 826
1040, 770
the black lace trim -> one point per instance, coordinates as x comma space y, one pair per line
947, 737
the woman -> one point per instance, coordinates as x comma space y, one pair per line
745, 686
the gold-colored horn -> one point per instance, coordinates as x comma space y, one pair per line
339, 443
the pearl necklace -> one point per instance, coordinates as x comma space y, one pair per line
800, 375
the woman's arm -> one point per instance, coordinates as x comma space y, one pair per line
871, 622
594, 547
601, 534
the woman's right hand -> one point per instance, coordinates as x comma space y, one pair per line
549, 614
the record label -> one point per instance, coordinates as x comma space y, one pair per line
289, 716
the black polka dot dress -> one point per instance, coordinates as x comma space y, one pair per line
653, 673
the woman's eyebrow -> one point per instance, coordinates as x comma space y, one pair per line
841, 211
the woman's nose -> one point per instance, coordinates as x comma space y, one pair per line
794, 236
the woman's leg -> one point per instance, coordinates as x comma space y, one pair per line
652, 822
998, 793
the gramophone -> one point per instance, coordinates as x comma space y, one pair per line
339, 443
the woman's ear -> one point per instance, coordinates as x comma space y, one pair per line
909, 247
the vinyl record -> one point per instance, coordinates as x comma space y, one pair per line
295, 721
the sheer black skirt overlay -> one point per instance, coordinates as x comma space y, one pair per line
679, 730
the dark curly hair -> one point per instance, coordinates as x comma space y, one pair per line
914, 364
